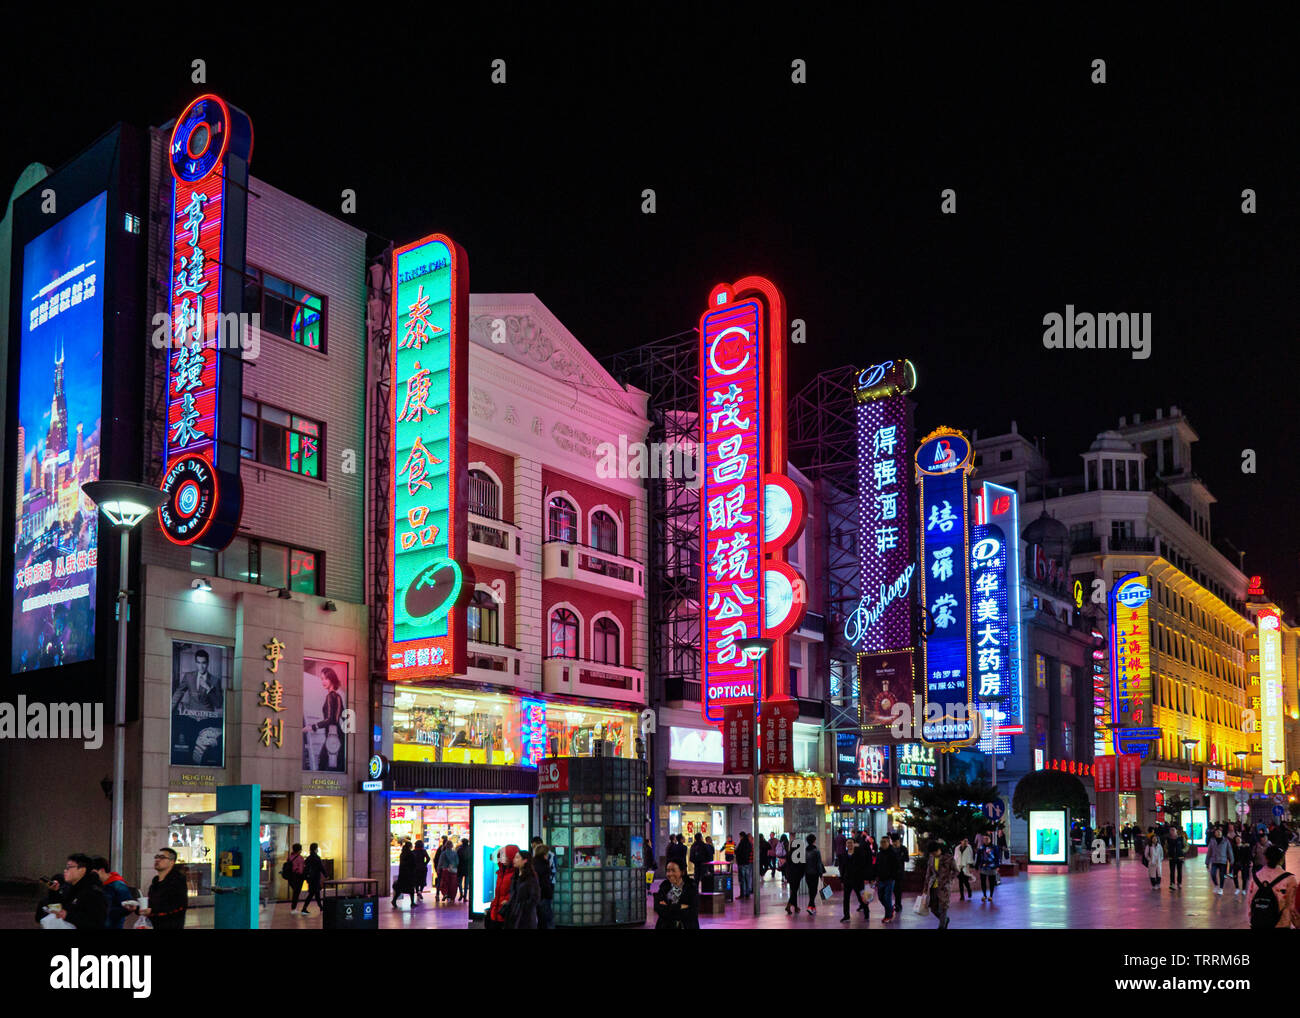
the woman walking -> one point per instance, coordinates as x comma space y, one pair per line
780, 853
419, 870
939, 872
525, 894
964, 860
1218, 858
986, 858
813, 868
315, 870
405, 882
793, 873
447, 864
1240, 865
1155, 857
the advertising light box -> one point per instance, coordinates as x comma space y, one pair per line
60, 384
1196, 826
1048, 835
492, 826
695, 745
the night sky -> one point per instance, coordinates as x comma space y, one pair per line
1123, 197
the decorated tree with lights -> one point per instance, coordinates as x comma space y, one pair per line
951, 811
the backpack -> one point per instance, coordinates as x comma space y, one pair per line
1264, 909
286, 871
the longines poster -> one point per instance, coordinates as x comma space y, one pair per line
198, 710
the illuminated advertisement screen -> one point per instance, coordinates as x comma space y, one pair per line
883, 619
943, 465
427, 635
731, 510
1196, 826
695, 745
995, 615
532, 724
492, 826
1048, 838
1130, 634
1271, 726
60, 385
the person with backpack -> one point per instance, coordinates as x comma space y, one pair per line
1273, 904
294, 873
116, 892
780, 854
1175, 850
315, 870
986, 861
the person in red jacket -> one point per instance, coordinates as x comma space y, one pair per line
496, 918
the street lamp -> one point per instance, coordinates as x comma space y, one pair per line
1189, 745
124, 504
756, 647
1241, 756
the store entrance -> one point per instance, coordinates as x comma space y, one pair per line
426, 820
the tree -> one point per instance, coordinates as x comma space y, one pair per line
1175, 805
951, 811
1050, 790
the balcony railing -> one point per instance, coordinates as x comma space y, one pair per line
1133, 544
591, 567
678, 689
493, 537
573, 674
491, 657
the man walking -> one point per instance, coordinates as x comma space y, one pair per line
889, 872
745, 863
169, 894
78, 897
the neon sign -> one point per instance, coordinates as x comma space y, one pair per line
1271, 700
1130, 637
995, 614
430, 451
209, 148
746, 587
943, 465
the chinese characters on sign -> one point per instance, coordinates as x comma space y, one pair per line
995, 615
1130, 661
731, 516
943, 464
429, 372
271, 696
738, 733
917, 765
776, 788
1272, 706
777, 724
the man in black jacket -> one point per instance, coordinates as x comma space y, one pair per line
745, 864
78, 897
462, 869
676, 851
169, 894
889, 875
701, 854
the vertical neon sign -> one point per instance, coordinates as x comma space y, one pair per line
206, 259
943, 465
1272, 705
430, 346
1130, 650
746, 587
995, 614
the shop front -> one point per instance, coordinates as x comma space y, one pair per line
863, 791
796, 804
917, 767
713, 805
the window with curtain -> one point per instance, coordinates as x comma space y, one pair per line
564, 634
562, 520
604, 532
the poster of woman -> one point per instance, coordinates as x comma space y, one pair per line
198, 707
324, 699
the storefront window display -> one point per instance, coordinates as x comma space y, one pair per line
444, 726
324, 821
194, 845
422, 820
589, 731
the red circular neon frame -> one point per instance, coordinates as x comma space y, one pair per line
797, 510
216, 498
225, 137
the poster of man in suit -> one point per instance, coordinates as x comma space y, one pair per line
198, 706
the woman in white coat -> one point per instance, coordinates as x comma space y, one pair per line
1155, 858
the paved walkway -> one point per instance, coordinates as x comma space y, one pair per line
1100, 899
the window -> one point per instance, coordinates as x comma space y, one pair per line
604, 644
1121, 530
288, 311
481, 619
1107, 475
564, 634
1004, 455
281, 439
604, 532
484, 495
1080, 533
269, 564
1040, 664
562, 520
1067, 680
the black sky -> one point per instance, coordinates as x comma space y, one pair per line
1116, 197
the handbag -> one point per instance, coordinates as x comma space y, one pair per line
868, 894
826, 892
921, 906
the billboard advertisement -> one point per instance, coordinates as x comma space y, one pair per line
492, 826
995, 615
1272, 705
60, 386
1048, 835
324, 699
429, 363
1196, 826
198, 706
695, 745
884, 681
943, 465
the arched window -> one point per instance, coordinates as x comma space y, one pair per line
604, 532
482, 619
564, 634
484, 495
604, 644
563, 520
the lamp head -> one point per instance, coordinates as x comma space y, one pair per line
124, 503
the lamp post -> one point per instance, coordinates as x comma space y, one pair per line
756, 647
1188, 746
124, 505
1241, 756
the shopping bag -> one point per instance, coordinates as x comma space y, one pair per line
142, 923
52, 922
868, 894
826, 892
921, 906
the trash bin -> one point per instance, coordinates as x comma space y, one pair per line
357, 909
